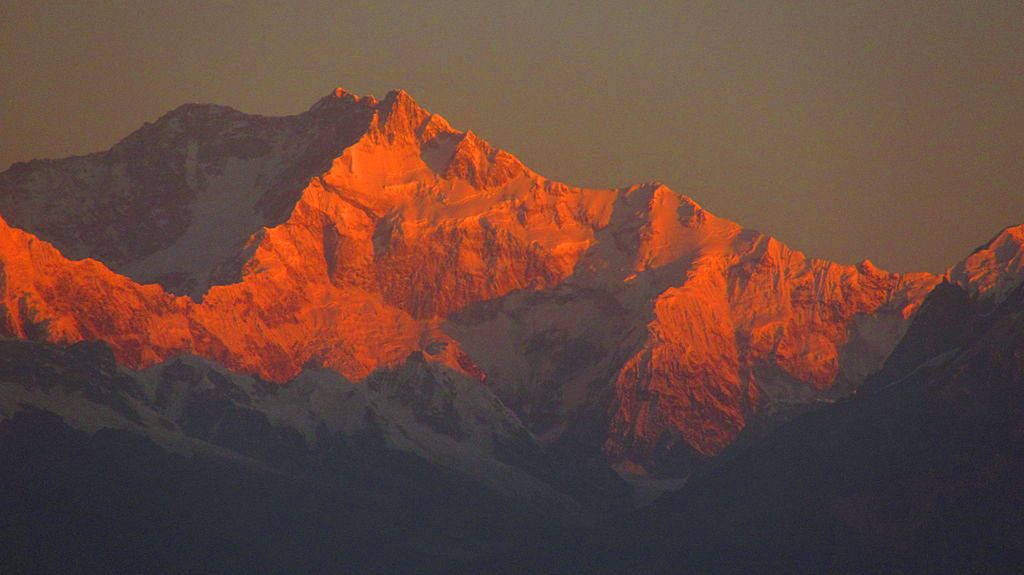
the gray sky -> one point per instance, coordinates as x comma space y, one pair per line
894, 133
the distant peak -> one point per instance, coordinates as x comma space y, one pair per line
400, 103
655, 189
1008, 239
995, 268
401, 118
482, 164
341, 96
867, 266
398, 95
1014, 232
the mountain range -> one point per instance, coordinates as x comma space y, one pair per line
414, 350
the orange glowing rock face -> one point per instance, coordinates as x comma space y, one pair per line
269, 324
416, 223
391, 237
995, 268
49, 297
745, 324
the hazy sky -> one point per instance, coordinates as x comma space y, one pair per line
894, 133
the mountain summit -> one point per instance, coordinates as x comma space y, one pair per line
628, 326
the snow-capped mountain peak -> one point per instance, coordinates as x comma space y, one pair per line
362, 233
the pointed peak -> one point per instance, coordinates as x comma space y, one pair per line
400, 103
341, 97
401, 118
995, 268
688, 201
644, 188
868, 267
1010, 232
476, 161
470, 143
1007, 238
655, 189
651, 187
398, 95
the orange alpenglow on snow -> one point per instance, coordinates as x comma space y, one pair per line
406, 235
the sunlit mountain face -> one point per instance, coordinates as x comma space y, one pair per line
360, 313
